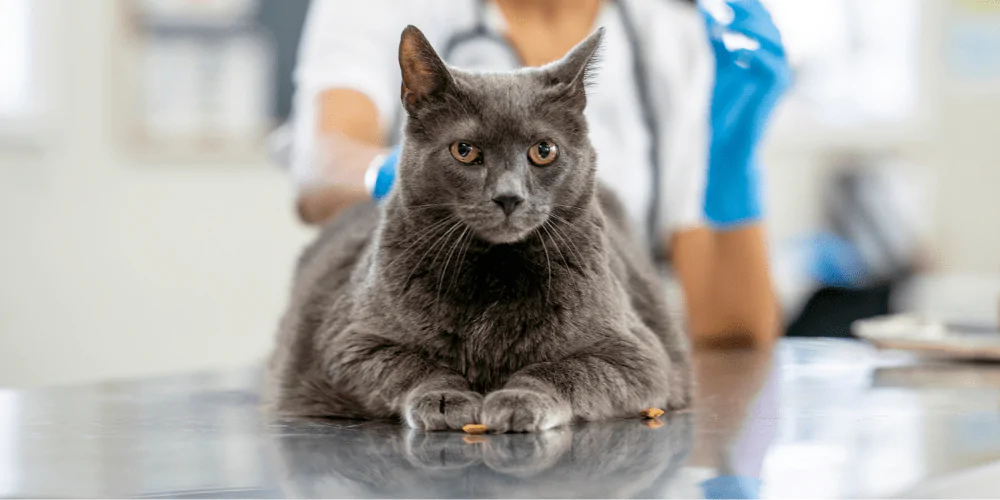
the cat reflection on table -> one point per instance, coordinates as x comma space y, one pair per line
498, 284
619, 459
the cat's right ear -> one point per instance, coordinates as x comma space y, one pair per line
573, 72
424, 73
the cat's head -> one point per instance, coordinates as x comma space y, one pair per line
502, 152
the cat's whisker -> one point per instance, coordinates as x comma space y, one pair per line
427, 252
589, 239
423, 235
426, 230
447, 261
442, 238
461, 259
548, 265
435, 205
444, 245
582, 209
568, 242
565, 240
561, 255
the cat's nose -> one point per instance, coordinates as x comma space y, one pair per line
508, 202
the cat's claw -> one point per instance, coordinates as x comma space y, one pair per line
439, 410
520, 410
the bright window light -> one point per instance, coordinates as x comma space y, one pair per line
15, 57
855, 61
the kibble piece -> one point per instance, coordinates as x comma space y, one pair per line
475, 429
651, 412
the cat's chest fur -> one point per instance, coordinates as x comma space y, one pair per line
498, 310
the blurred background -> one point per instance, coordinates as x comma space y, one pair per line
147, 227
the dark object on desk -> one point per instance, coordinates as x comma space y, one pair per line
831, 311
867, 207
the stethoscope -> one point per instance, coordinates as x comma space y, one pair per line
480, 48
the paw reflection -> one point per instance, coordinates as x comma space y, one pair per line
439, 450
629, 458
526, 455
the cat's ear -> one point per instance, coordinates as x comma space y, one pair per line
424, 73
574, 70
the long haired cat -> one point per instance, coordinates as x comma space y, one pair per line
498, 283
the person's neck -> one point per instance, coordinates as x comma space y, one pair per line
547, 9
543, 31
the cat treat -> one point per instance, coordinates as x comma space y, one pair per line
651, 412
475, 429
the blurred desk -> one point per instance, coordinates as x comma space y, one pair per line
815, 419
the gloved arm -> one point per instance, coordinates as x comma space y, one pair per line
724, 270
751, 75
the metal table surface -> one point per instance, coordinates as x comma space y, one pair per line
815, 418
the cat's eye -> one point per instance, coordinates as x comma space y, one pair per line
466, 153
543, 153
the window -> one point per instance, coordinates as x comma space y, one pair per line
855, 61
16, 78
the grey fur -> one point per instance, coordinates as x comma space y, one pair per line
440, 309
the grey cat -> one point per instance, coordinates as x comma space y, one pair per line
498, 283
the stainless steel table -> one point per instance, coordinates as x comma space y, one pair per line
813, 419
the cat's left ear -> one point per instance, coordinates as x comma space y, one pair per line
573, 71
424, 73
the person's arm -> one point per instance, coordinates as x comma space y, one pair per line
347, 94
349, 137
723, 268
727, 286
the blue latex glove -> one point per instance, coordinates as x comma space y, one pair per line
731, 487
748, 84
386, 175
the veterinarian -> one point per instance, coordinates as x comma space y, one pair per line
681, 98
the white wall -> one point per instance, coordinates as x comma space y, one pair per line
111, 268
953, 147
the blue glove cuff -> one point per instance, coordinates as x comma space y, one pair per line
386, 175
733, 197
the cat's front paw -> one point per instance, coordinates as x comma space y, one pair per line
439, 410
523, 410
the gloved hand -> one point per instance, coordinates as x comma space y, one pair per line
751, 74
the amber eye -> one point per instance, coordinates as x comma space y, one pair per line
466, 153
543, 153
